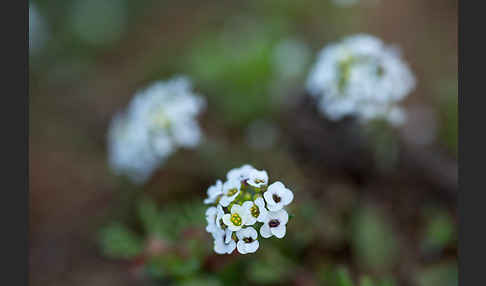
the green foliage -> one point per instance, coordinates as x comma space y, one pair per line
119, 242
440, 275
374, 241
439, 230
235, 70
269, 267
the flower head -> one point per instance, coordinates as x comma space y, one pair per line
275, 224
247, 240
158, 120
237, 218
237, 208
359, 76
277, 196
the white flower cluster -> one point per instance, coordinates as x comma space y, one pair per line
360, 76
242, 204
159, 119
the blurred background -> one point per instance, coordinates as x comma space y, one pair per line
372, 207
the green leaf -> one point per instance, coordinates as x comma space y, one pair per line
148, 214
117, 241
343, 278
366, 281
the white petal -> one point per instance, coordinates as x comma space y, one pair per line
251, 232
247, 205
219, 248
240, 173
240, 234
265, 231
278, 231
233, 227
260, 176
225, 201
260, 203
227, 219
287, 197
282, 216
250, 220
268, 196
252, 246
228, 237
241, 246
237, 209
276, 187
275, 207
230, 247
211, 211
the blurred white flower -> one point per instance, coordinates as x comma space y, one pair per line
362, 77
158, 120
247, 240
277, 196
237, 219
275, 224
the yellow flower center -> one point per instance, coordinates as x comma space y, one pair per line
160, 120
236, 219
255, 211
232, 192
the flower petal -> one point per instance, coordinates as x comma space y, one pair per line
227, 219
274, 207
241, 246
282, 216
265, 231
278, 231
252, 246
287, 197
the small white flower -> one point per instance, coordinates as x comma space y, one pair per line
277, 196
256, 210
231, 189
257, 178
214, 217
211, 214
247, 240
159, 119
237, 219
362, 77
223, 242
214, 192
241, 174
275, 224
